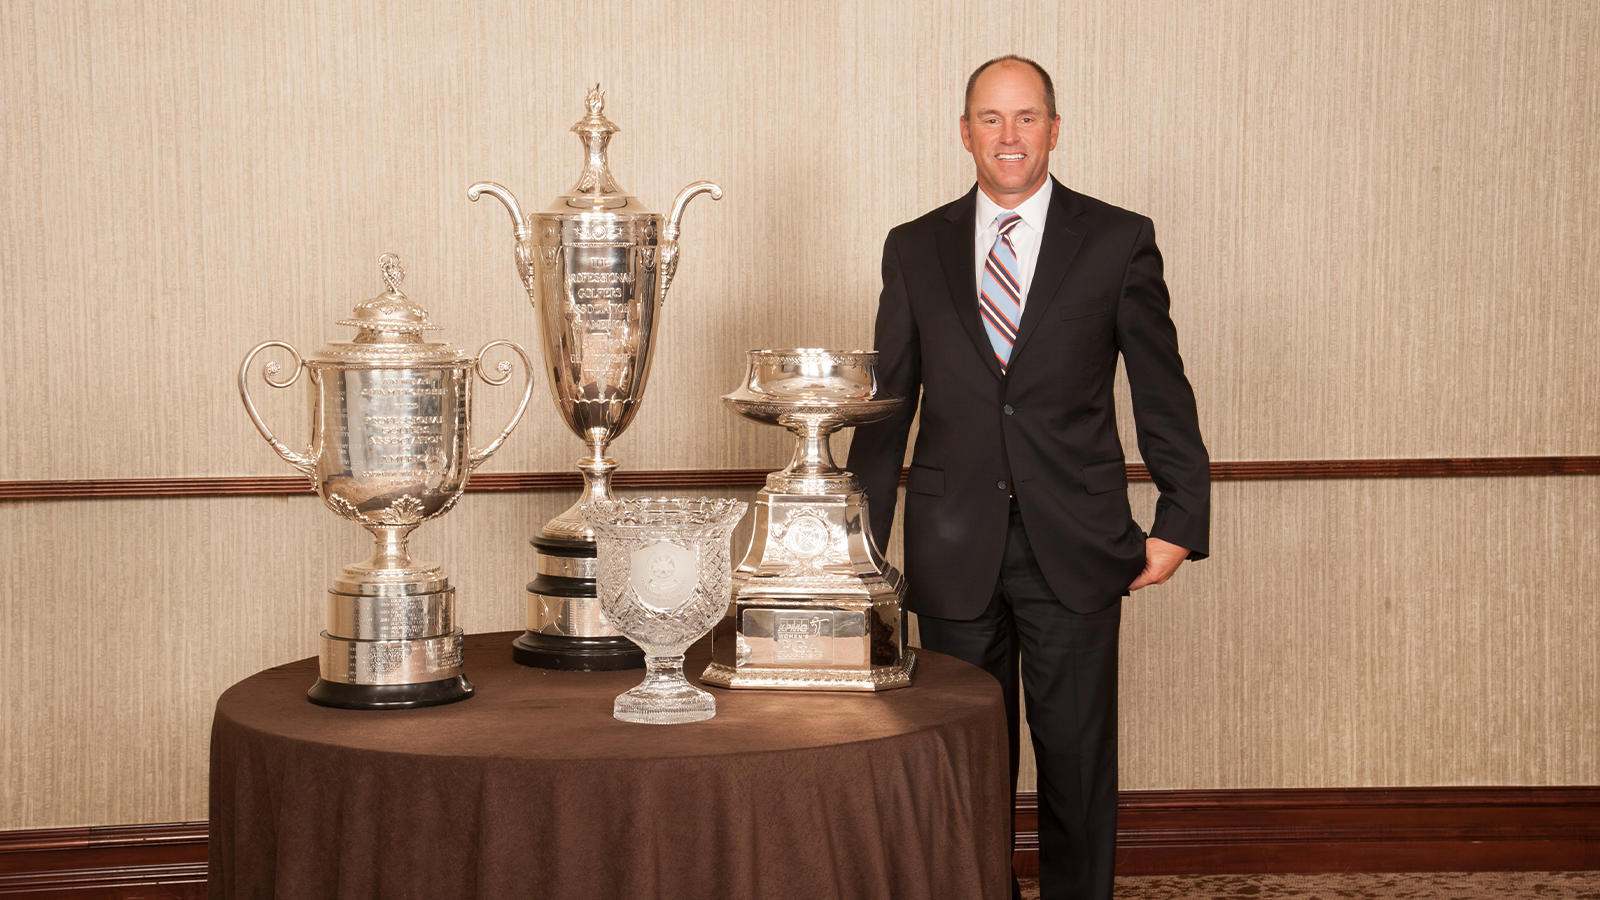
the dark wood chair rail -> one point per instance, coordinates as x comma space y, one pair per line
1237, 470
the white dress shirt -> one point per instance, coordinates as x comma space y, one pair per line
1025, 237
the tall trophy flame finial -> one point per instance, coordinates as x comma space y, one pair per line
596, 101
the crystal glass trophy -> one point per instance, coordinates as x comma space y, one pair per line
664, 578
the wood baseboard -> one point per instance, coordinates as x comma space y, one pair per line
115, 862
1456, 829
1463, 829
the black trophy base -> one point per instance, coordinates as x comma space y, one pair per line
564, 600
576, 654
389, 696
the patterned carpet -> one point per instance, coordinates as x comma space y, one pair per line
1375, 886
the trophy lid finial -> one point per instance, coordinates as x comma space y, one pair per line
390, 317
595, 130
393, 273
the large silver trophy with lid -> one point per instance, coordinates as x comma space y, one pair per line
390, 449
597, 266
815, 605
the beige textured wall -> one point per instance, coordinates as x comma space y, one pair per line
1382, 229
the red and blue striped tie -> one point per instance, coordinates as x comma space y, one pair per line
1000, 298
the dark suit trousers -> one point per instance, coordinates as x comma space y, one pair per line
1069, 682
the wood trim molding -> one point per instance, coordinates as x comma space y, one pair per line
1452, 829
1451, 467
295, 484
1244, 470
126, 862
1455, 829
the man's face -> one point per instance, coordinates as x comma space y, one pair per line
1009, 132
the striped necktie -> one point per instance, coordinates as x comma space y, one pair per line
1000, 299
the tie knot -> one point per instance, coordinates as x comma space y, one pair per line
1008, 221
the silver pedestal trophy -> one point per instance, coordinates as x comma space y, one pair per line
815, 604
597, 266
390, 432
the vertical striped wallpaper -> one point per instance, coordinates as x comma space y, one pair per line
1380, 229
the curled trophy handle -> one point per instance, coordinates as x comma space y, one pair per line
477, 458
304, 463
503, 194
522, 230
675, 219
669, 246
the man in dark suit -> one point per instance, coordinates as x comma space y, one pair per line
1004, 313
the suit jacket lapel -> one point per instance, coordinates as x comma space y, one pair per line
1063, 234
956, 253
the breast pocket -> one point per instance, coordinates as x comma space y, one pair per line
1087, 308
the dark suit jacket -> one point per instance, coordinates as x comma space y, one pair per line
1048, 424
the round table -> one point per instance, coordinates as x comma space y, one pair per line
531, 789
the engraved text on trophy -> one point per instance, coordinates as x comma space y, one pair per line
397, 431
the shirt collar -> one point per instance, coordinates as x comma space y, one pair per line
1033, 210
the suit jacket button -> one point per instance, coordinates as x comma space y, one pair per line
1009, 410
1001, 485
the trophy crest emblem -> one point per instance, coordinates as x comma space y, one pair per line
663, 574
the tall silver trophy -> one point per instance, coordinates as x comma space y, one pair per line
390, 432
815, 605
597, 266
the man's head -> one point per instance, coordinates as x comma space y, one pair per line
1010, 126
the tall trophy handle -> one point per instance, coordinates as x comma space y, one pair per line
521, 230
305, 464
503, 194
669, 246
477, 458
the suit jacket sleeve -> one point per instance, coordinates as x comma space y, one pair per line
878, 450
1164, 412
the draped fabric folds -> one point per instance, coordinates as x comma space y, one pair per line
532, 789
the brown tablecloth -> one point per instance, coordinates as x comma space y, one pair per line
532, 789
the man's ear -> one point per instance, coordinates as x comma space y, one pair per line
966, 139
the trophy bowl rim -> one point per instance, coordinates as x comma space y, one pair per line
770, 373
453, 358
717, 512
809, 352
767, 408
